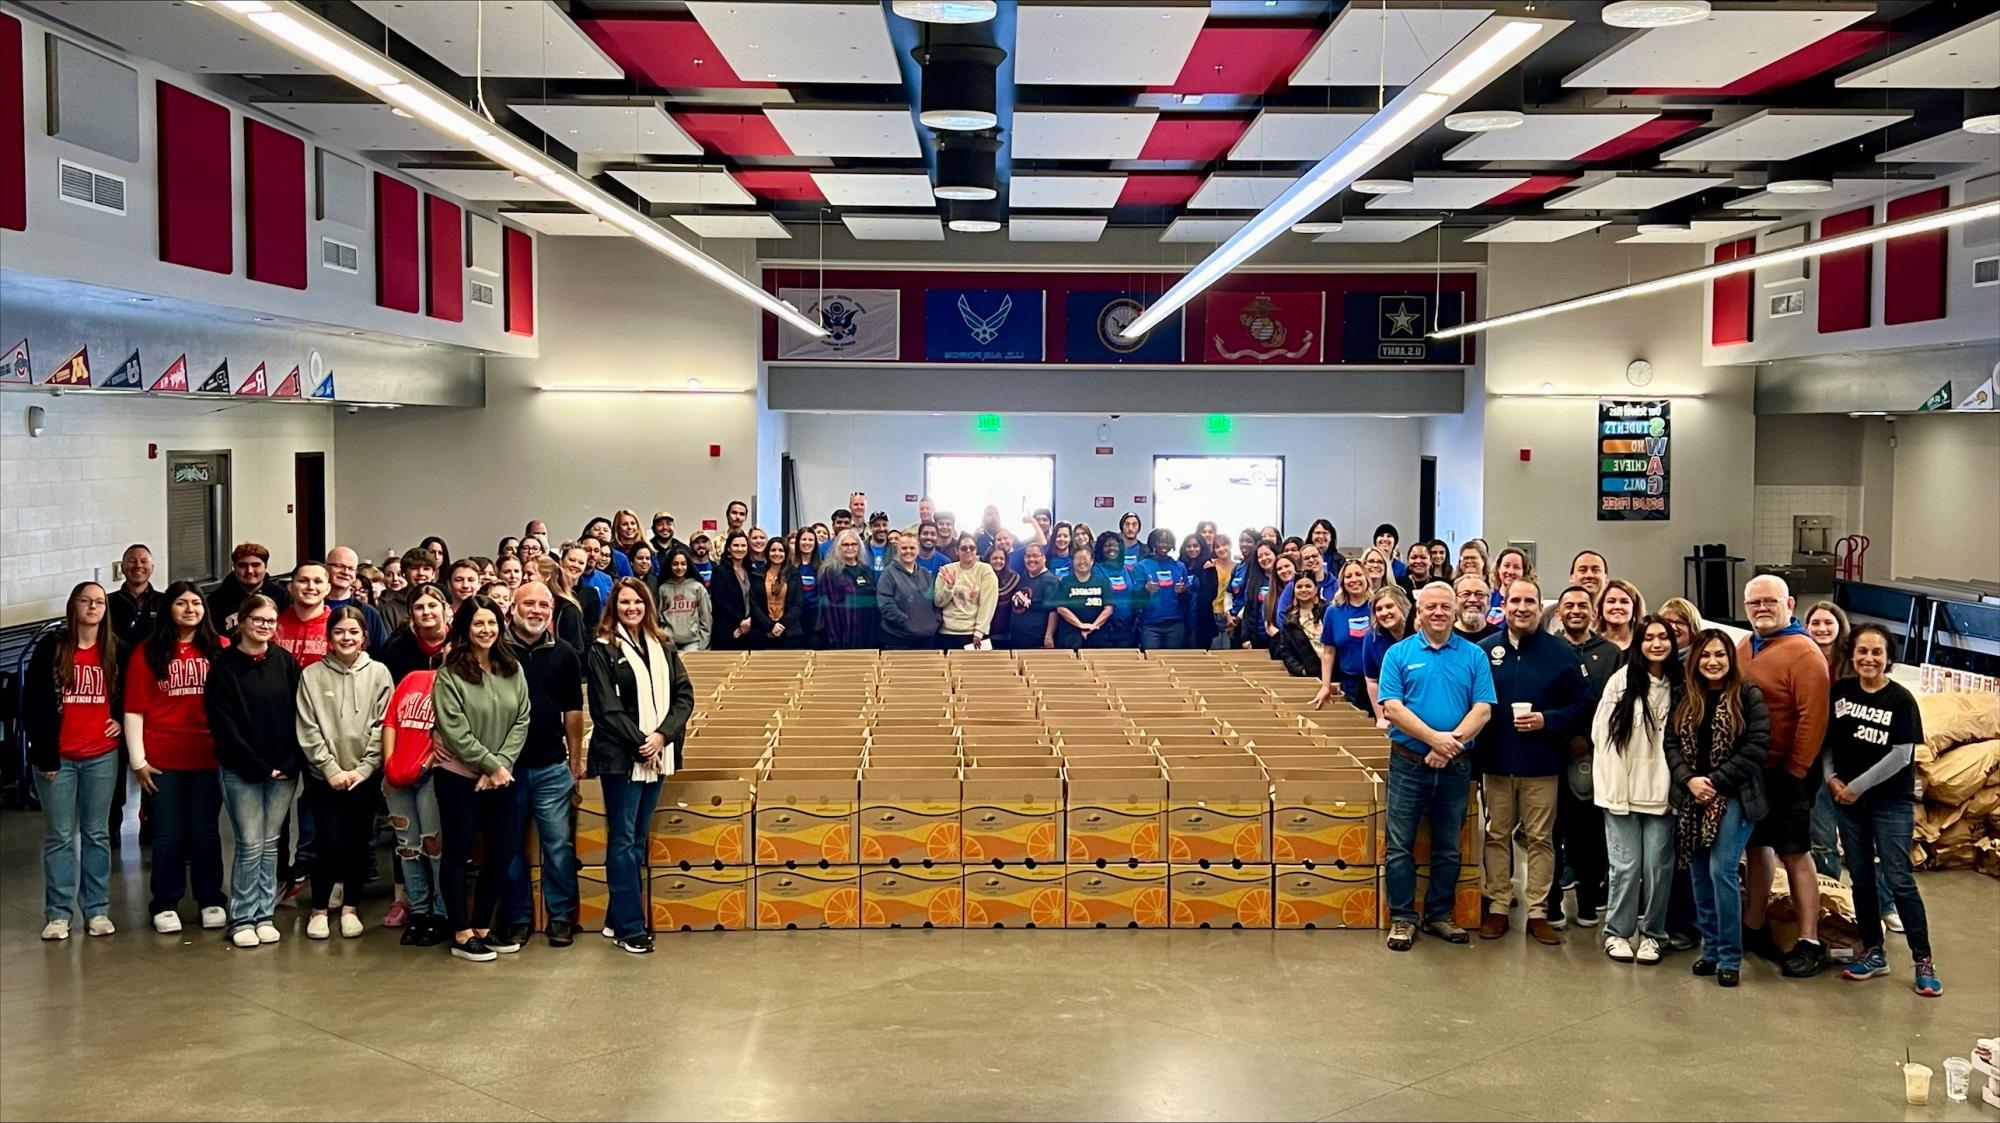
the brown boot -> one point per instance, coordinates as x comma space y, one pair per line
1493, 926
1540, 929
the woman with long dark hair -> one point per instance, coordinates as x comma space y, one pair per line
252, 701
1197, 614
1632, 783
685, 613
730, 591
1006, 580
777, 603
439, 552
805, 562
480, 699
1259, 562
1389, 615
173, 755
1298, 644
71, 708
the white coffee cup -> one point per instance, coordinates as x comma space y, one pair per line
1523, 709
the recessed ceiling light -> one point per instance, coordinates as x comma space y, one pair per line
1316, 227
1799, 186
1485, 120
1655, 13
974, 225
967, 192
1548, 387
1985, 126
946, 11
1384, 186
694, 383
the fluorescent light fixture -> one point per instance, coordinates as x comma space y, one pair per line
515, 156
693, 386
1985, 125
1936, 220
1485, 120
1654, 13
946, 11
1498, 43
348, 64
433, 112
1317, 227
1799, 186
246, 7
1383, 186
1548, 395
973, 225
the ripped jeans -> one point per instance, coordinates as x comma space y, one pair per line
413, 812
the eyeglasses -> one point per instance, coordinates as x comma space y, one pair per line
264, 621
1765, 602
92, 602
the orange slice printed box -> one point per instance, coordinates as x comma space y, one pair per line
1325, 817
1220, 897
909, 816
1464, 900
914, 896
702, 820
808, 898
1471, 835
1218, 816
593, 835
1012, 815
1016, 897
805, 817
1124, 895
701, 900
1328, 897
1115, 814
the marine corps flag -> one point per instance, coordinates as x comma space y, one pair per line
288, 387
126, 377
14, 365
1264, 327
175, 380
75, 371
217, 381
253, 386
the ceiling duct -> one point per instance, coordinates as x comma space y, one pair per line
967, 166
960, 86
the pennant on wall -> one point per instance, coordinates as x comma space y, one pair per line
1939, 400
127, 376
14, 365
1981, 398
217, 381
253, 384
75, 370
175, 380
288, 387
324, 391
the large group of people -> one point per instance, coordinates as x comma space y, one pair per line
1643, 761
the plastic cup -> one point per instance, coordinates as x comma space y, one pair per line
1916, 1084
1523, 709
1957, 1078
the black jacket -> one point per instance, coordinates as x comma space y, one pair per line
403, 655
225, 598
41, 703
731, 607
614, 710
1293, 647
1201, 608
133, 618
790, 616
1542, 671
1739, 773
253, 710
555, 688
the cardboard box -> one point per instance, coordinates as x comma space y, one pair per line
702, 820
593, 898
1325, 817
1115, 815
909, 816
1471, 836
701, 900
808, 898
1121, 896
593, 834
913, 897
1218, 816
1464, 902
1012, 815
1328, 898
1018, 897
805, 817
1220, 897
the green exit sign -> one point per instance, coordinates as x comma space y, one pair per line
988, 423
1218, 423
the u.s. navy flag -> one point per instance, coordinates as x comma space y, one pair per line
859, 323
983, 326
1394, 327
1092, 321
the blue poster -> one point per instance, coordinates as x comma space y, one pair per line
983, 326
1394, 327
1092, 321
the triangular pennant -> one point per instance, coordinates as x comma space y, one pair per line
75, 370
253, 384
288, 387
1981, 398
217, 381
14, 365
175, 380
127, 376
324, 391
1939, 400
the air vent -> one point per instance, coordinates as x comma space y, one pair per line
339, 255
1986, 271
482, 294
1787, 304
88, 187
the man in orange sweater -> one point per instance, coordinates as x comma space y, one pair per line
1787, 667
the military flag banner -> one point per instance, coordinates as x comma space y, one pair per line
859, 323
1264, 327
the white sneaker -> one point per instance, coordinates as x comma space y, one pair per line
1892, 921
1619, 948
317, 927
334, 899
167, 923
100, 926
56, 930
267, 933
351, 926
1649, 951
244, 938
215, 916
608, 933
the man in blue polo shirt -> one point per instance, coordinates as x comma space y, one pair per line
1437, 691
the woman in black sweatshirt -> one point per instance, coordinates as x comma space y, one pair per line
252, 701
729, 592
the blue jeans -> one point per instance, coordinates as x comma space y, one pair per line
76, 809
1419, 792
1163, 636
257, 812
1826, 847
187, 831
628, 808
1876, 834
1718, 890
413, 812
546, 789
1641, 849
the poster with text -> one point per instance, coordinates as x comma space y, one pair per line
1633, 459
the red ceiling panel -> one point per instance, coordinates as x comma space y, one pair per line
1814, 58
1644, 138
1913, 265
1535, 187
1241, 60
1201, 138
780, 184
734, 134
670, 53
13, 129
274, 206
1158, 190
197, 220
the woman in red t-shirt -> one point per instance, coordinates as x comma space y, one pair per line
172, 754
70, 707
413, 806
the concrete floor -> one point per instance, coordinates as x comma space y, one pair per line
944, 1025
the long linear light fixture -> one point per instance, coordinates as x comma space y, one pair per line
321, 43
1494, 47
1936, 220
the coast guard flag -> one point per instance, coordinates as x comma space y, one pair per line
983, 326
860, 324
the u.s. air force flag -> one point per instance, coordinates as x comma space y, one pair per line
860, 324
983, 326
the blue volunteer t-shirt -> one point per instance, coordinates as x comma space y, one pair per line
1438, 684
878, 556
1373, 651
1345, 629
809, 595
1168, 579
704, 570
1118, 588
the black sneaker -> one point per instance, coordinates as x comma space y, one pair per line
413, 934
1803, 961
473, 949
1758, 941
518, 934
431, 931
502, 940
1586, 915
561, 933
1556, 918
1704, 967
641, 944
1727, 977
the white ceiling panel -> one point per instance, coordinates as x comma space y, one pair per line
887, 131
769, 41
1447, 193
1377, 231
734, 225
521, 38
1109, 45
1303, 135
1549, 136
563, 224
1730, 43
1633, 192
180, 35
894, 227
1391, 44
1027, 192
1846, 192
875, 189
684, 185
1221, 192
1202, 229
483, 184
1081, 134
1699, 232
1968, 58
614, 130
366, 126
1024, 229
1954, 147
1780, 134
1537, 229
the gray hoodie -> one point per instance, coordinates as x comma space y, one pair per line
685, 613
908, 610
341, 709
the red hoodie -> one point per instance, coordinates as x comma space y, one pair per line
177, 737
305, 639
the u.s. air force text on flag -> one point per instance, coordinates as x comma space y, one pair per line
860, 324
983, 326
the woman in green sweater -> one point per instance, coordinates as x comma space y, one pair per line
481, 701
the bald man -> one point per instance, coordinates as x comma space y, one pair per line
341, 562
546, 772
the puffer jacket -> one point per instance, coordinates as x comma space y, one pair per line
1738, 769
1633, 777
